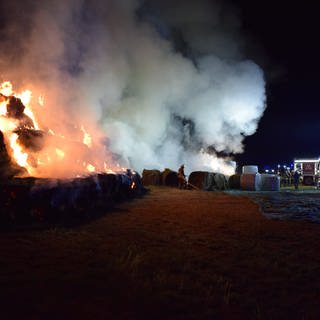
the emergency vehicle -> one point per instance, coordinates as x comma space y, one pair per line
309, 170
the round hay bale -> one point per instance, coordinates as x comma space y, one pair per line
169, 178
151, 177
199, 179
250, 182
137, 186
220, 182
270, 182
249, 169
234, 181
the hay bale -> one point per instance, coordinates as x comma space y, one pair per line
169, 178
108, 184
250, 182
208, 181
234, 181
270, 182
249, 169
8, 169
198, 179
137, 188
151, 177
220, 182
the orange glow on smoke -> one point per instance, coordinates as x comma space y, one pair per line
43, 142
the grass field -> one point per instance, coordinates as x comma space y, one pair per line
173, 254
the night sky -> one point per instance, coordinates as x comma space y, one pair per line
283, 40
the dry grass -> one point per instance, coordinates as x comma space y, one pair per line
174, 254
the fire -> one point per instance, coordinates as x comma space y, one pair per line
91, 168
20, 156
25, 97
41, 100
59, 153
6, 88
87, 140
38, 148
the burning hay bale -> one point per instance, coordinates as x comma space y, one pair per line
151, 177
8, 169
208, 181
169, 178
15, 109
21, 135
30, 138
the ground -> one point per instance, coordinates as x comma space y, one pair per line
173, 254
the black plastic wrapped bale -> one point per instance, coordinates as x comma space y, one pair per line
28, 200
42, 198
15, 202
125, 186
151, 177
137, 188
169, 178
234, 182
88, 193
108, 185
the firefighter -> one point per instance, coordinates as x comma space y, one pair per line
296, 178
182, 178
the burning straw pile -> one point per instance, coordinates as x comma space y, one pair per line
27, 199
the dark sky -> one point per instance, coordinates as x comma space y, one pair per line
283, 39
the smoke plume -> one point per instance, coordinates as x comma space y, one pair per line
156, 83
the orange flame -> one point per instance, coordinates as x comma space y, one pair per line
91, 168
20, 156
87, 140
37, 145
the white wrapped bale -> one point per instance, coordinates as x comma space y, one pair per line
270, 182
250, 182
249, 169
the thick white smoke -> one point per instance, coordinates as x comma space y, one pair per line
160, 83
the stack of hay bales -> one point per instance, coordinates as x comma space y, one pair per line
270, 182
250, 179
208, 181
154, 177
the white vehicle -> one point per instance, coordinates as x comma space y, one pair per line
309, 170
